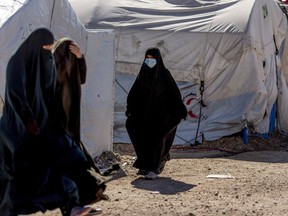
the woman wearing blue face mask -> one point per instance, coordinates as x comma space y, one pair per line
154, 109
150, 61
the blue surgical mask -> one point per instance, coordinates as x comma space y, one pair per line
150, 62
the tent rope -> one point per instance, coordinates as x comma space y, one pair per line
121, 86
202, 79
200, 112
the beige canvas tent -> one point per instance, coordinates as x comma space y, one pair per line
232, 47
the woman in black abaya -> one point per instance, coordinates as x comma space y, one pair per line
24, 160
154, 109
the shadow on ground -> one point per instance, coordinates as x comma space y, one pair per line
263, 156
163, 185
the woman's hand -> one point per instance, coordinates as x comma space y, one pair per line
75, 49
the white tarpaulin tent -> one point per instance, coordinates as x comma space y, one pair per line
19, 18
229, 45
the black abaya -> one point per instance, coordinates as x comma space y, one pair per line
154, 109
30, 79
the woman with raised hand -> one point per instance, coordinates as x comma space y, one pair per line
70, 75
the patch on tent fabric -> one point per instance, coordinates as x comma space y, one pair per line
190, 101
265, 10
190, 112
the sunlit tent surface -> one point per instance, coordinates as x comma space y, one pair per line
233, 46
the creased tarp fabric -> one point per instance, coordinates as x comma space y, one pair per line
228, 44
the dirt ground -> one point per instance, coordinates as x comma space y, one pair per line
225, 177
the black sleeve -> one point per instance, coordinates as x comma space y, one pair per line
82, 69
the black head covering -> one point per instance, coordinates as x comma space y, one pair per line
155, 52
30, 82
